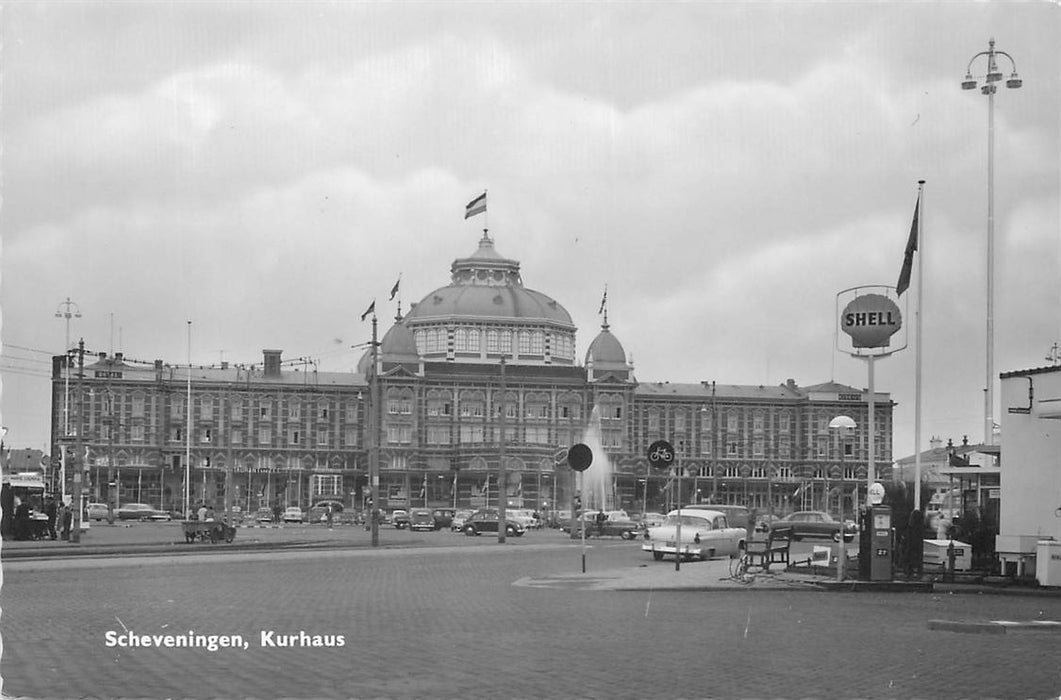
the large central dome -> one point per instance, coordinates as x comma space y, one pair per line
486, 313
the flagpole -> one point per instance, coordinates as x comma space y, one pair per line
918, 348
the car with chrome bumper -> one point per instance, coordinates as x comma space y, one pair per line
704, 534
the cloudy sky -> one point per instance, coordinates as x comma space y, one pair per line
266, 170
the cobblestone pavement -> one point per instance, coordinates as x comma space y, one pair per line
468, 618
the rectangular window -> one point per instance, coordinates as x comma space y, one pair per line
236, 411
207, 435
294, 436
400, 434
757, 424
322, 438
783, 423
265, 435
705, 446
350, 437
731, 422
322, 412
538, 436
264, 411
784, 473
206, 409
783, 450
104, 432
471, 433
138, 407
679, 422
849, 449
176, 408
136, 433
438, 435
176, 435
731, 449
757, 447
236, 436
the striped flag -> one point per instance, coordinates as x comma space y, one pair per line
476, 206
370, 310
603, 301
394, 289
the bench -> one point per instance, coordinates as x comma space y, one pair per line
772, 550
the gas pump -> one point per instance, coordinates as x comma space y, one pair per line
879, 521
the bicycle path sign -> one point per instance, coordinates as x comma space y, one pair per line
661, 454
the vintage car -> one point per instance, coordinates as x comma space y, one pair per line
736, 516
97, 511
704, 534
456, 524
399, 518
443, 517
421, 519
616, 523
292, 514
487, 520
815, 523
141, 511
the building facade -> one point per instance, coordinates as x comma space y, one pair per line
480, 370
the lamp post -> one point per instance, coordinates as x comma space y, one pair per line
993, 76
66, 310
843, 425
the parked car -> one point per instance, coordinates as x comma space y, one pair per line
736, 516
142, 511
648, 520
399, 518
815, 523
524, 516
292, 514
488, 520
97, 511
704, 534
443, 517
319, 512
459, 518
421, 519
263, 515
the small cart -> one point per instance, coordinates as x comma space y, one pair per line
212, 531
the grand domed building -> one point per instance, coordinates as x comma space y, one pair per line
479, 372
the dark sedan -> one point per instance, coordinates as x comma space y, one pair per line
814, 523
142, 511
487, 520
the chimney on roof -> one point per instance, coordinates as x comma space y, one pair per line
118, 356
935, 443
791, 384
272, 362
224, 364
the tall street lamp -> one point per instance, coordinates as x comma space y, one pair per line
993, 76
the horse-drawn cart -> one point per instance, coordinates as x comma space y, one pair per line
207, 531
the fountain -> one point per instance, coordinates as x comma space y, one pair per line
597, 486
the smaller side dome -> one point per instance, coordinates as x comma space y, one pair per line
606, 350
398, 344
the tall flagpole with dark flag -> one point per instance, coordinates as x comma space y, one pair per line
913, 242
478, 206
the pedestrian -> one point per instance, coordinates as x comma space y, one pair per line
330, 515
601, 518
66, 518
209, 513
22, 516
201, 513
51, 509
277, 511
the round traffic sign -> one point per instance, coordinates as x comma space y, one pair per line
661, 454
579, 457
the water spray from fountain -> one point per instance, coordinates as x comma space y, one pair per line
597, 483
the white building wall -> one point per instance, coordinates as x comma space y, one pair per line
1031, 455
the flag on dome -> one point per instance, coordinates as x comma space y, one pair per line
370, 310
394, 289
603, 301
476, 206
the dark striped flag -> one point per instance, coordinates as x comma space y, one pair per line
476, 206
908, 259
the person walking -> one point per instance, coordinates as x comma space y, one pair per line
51, 509
66, 518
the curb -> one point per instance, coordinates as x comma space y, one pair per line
994, 626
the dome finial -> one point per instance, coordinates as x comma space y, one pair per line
604, 308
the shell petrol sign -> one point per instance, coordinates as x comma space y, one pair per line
871, 320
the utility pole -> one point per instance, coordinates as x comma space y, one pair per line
373, 438
502, 475
79, 462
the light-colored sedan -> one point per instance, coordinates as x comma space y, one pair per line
96, 511
293, 514
704, 534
